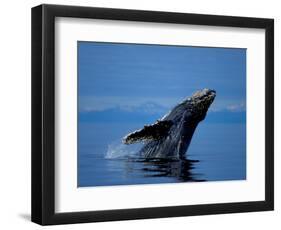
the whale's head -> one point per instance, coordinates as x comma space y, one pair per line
194, 108
200, 102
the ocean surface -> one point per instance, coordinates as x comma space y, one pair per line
217, 152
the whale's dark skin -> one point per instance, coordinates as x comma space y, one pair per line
170, 136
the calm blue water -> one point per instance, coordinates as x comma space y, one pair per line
217, 152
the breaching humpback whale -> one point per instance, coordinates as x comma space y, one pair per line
170, 136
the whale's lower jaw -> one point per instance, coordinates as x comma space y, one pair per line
173, 146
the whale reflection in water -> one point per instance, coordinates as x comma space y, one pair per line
178, 169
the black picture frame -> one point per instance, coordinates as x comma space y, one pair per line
43, 114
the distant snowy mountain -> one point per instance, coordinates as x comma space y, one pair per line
150, 112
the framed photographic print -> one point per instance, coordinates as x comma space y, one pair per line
142, 114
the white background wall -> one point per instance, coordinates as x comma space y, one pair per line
15, 114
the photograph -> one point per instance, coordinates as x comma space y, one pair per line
151, 114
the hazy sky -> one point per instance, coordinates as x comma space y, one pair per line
129, 75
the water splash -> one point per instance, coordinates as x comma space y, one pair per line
119, 150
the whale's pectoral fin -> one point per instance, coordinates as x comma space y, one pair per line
149, 132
